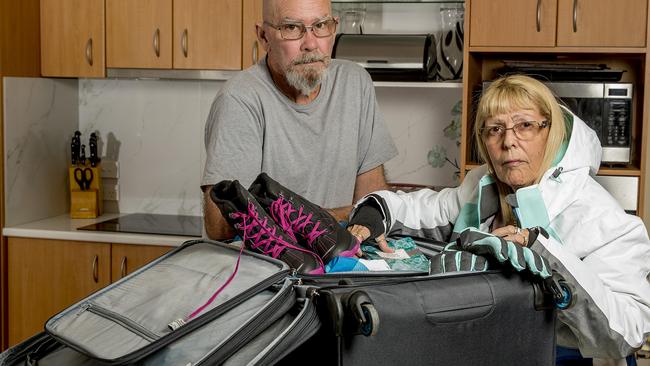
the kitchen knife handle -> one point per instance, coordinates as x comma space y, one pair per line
123, 267
156, 42
184, 42
95, 268
575, 16
89, 51
539, 16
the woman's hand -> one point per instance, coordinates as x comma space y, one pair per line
362, 233
513, 233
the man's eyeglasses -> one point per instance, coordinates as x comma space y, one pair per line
292, 31
525, 131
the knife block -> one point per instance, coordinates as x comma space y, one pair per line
85, 203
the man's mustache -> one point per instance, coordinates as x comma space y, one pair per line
305, 59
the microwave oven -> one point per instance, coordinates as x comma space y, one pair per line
606, 108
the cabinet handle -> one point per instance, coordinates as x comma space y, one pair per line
95, 269
156, 42
89, 51
575, 16
539, 16
123, 267
255, 52
184, 42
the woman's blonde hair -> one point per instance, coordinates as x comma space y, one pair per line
510, 93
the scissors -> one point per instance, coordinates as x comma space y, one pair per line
83, 176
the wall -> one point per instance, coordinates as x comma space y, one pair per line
158, 128
39, 115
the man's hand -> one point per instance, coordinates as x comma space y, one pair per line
503, 251
215, 225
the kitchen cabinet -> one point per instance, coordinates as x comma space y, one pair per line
126, 258
501, 30
179, 34
139, 33
207, 34
602, 23
513, 23
252, 51
564, 23
72, 38
45, 276
19, 56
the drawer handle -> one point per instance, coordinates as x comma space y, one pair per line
95, 269
255, 52
575, 16
184, 43
123, 267
89, 51
539, 16
156, 42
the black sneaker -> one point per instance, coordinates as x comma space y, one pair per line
310, 224
258, 231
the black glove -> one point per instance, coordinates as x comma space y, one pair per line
369, 216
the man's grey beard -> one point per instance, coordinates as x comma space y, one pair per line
306, 79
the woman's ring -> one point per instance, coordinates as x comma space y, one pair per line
517, 230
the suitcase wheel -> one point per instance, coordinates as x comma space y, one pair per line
370, 326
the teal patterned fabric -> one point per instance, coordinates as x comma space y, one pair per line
416, 262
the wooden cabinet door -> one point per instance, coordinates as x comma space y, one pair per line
45, 276
519, 23
126, 258
207, 34
139, 34
602, 23
72, 38
251, 49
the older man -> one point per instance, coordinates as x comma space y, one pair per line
310, 122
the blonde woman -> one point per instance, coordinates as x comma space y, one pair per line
536, 197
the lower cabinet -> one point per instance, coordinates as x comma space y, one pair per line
45, 276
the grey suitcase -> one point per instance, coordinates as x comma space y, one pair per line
368, 318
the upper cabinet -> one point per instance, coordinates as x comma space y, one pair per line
526, 23
207, 34
602, 23
139, 34
72, 38
251, 49
561, 23
180, 34
147, 34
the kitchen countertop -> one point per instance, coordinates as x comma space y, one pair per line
64, 228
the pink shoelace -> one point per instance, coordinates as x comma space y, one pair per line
281, 211
273, 245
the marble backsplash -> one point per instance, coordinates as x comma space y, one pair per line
154, 129
39, 115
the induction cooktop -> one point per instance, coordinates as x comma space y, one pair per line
142, 223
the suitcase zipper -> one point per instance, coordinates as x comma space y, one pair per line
245, 331
119, 319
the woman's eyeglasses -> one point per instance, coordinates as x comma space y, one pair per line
525, 131
293, 31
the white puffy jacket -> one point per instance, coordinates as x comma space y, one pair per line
596, 246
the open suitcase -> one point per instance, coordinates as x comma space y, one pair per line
161, 315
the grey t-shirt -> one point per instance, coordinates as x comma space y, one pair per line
316, 150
